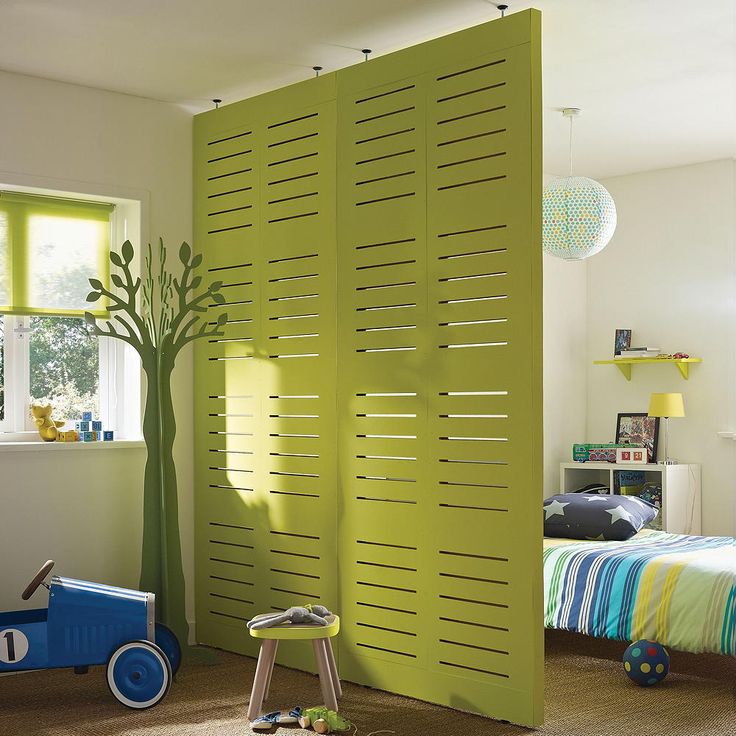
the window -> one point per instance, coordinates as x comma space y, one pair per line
49, 248
64, 365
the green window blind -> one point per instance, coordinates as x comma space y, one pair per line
49, 249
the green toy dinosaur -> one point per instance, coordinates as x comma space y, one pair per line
323, 720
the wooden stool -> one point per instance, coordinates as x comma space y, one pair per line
329, 680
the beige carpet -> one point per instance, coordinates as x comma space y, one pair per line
586, 695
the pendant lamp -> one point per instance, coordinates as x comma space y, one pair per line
578, 213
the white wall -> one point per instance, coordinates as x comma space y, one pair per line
84, 508
565, 370
77, 506
669, 274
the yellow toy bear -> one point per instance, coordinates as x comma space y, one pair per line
47, 427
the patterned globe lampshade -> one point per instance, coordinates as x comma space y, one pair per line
578, 217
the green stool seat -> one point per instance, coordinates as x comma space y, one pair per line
301, 632
320, 636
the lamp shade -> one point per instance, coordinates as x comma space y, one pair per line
578, 217
666, 405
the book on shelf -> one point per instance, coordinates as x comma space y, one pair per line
644, 352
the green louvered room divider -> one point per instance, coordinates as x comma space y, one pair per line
368, 429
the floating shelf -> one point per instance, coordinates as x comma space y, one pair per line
624, 364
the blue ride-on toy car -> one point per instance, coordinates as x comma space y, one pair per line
91, 624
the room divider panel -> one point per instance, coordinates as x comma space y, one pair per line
265, 400
373, 412
439, 378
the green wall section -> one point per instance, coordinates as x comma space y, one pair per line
369, 427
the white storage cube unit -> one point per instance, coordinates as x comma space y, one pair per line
680, 483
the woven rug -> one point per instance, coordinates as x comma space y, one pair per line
586, 694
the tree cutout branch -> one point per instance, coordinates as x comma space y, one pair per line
188, 303
171, 310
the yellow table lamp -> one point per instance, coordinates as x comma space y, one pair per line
666, 406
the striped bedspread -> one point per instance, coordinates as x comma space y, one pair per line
678, 590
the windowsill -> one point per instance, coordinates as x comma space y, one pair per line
41, 446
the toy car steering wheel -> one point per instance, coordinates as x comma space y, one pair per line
38, 578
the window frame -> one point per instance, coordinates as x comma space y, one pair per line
15, 354
119, 372
17, 424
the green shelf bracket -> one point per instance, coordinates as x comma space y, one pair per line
684, 369
625, 368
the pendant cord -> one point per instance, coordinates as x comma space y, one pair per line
570, 172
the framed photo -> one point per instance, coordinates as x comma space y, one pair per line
639, 429
623, 341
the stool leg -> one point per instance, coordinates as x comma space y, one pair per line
270, 671
260, 681
333, 668
325, 674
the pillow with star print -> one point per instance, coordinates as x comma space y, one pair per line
596, 516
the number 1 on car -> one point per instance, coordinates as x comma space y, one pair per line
13, 646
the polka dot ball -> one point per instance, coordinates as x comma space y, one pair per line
646, 662
578, 217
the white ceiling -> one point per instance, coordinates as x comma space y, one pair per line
656, 78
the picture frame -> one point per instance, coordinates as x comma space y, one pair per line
622, 341
640, 429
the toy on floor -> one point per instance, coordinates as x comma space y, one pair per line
323, 720
646, 662
311, 614
110, 626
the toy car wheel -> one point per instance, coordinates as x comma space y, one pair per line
167, 640
139, 674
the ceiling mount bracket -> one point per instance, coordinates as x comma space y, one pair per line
217, 102
317, 70
503, 8
366, 52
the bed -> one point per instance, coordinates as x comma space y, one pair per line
675, 589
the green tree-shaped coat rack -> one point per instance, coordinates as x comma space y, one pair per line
170, 317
